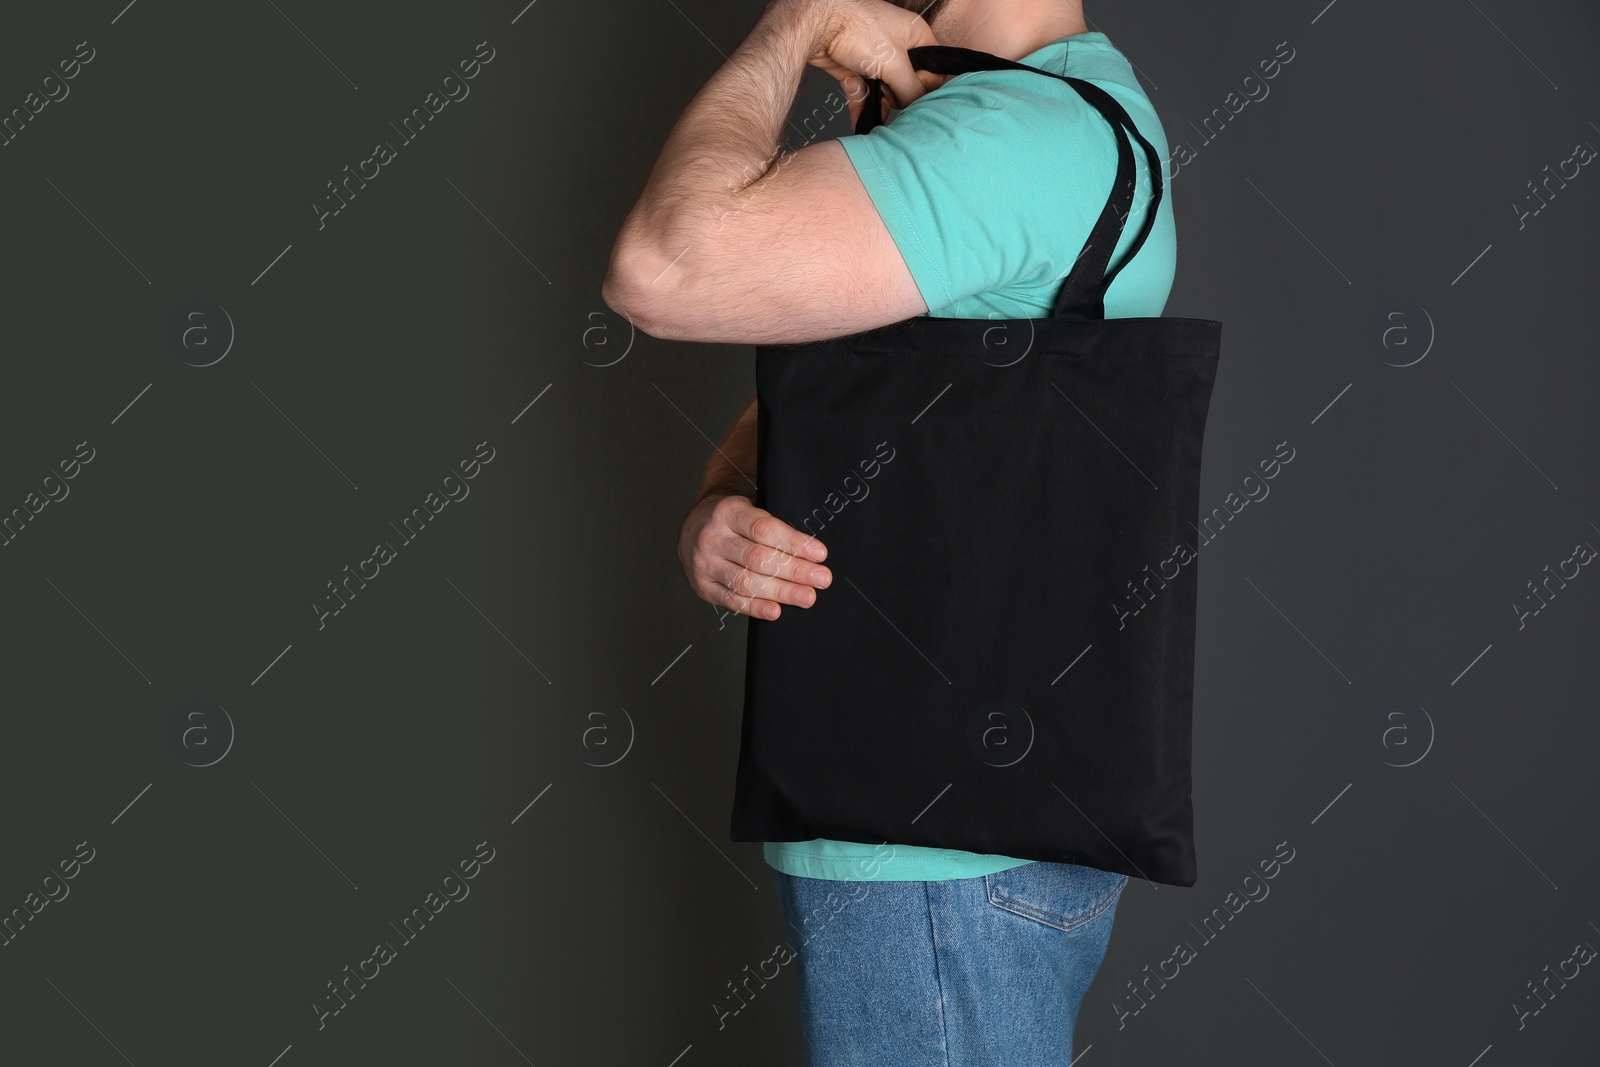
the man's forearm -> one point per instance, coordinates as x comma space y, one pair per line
732, 467
729, 136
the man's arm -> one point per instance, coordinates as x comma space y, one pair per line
732, 242
737, 555
731, 468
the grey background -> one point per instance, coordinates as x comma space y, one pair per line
1357, 618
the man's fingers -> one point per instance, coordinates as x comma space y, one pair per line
775, 563
751, 561
755, 607
901, 78
728, 570
761, 571
749, 585
765, 528
895, 69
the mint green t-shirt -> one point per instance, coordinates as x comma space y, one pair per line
989, 186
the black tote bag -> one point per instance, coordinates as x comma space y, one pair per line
1004, 661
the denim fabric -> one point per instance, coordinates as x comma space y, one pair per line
961, 972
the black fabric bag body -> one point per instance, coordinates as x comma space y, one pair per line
1004, 660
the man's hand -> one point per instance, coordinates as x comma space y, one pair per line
739, 556
869, 38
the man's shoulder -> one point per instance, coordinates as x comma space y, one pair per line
1092, 57
1026, 98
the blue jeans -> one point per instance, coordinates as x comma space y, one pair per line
963, 972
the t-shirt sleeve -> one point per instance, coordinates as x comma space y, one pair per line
989, 182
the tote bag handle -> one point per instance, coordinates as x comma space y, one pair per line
1083, 293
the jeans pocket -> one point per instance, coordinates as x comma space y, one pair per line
1062, 895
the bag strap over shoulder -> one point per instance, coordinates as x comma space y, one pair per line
1083, 293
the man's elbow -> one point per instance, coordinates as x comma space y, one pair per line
619, 291
638, 287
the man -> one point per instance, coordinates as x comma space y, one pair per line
972, 202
